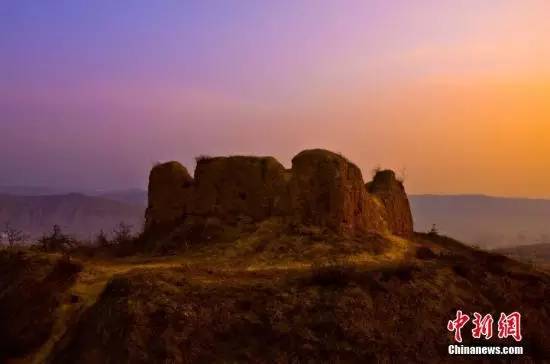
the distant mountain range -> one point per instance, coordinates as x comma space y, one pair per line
77, 214
31, 190
536, 253
489, 222
133, 196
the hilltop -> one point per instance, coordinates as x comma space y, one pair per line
247, 261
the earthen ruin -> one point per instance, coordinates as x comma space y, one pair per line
322, 188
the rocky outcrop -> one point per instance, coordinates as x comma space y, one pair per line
322, 188
392, 194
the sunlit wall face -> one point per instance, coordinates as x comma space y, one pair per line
456, 93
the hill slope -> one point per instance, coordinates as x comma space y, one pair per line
267, 265
251, 302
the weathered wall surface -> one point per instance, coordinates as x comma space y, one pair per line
328, 190
392, 194
170, 191
228, 186
322, 188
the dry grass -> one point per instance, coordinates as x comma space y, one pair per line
274, 296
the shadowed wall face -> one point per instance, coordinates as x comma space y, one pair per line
91, 95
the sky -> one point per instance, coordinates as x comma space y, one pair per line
452, 94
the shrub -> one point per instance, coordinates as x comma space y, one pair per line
434, 231
124, 242
56, 241
13, 236
122, 234
101, 240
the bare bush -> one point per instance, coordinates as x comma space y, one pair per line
56, 241
434, 231
122, 234
101, 240
14, 236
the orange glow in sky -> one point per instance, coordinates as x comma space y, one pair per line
456, 93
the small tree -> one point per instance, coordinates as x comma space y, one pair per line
101, 239
434, 230
14, 236
122, 234
56, 241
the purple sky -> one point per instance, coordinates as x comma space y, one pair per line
93, 93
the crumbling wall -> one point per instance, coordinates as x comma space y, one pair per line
169, 194
328, 190
230, 186
322, 188
392, 193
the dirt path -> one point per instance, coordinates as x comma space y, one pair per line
97, 273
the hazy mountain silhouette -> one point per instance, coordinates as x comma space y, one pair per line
535, 253
79, 215
31, 190
490, 222
134, 196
